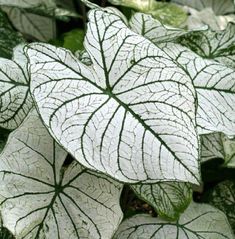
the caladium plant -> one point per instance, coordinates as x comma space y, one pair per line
140, 106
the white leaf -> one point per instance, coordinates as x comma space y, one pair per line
207, 16
197, 222
211, 147
215, 87
36, 26
41, 199
212, 80
218, 6
154, 30
15, 99
169, 199
131, 114
216, 45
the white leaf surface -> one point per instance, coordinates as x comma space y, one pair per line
211, 146
216, 45
197, 222
213, 81
154, 30
36, 26
218, 6
169, 199
42, 200
15, 99
131, 114
207, 17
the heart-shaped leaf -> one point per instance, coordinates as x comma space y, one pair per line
197, 222
41, 199
15, 99
169, 199
131, 114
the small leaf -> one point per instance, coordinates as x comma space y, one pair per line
36, 26
9, 38
198, 221
218, 6
211, 147
131, 114
169, 199
42, 199
15, 99
229, 151
222, 197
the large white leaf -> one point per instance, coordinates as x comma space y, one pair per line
199, 221
36, 26
131, 114
215, 87
169, 199
213, 81
219, 7
40, 199
15, 99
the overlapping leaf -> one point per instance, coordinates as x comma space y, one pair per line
167, 13
154, 30
215, 90
29, 3
169, 199
213, 81
9, 38
208, 17
15, 99
211, 147
197, 222
131, 114
36, 26
219, 7
216, 45
41, 199
222, 197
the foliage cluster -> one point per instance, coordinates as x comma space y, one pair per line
100, 103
